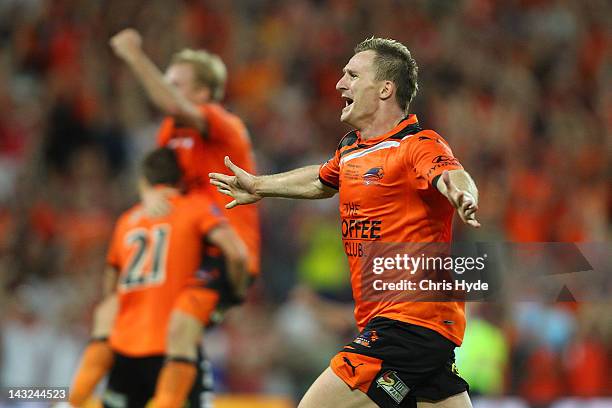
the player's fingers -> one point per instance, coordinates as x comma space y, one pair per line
471, 209
162, 208
466, 204
458, 198
462, 215
231, 205
225, 191
219, 184
159, 212
230, 165
221, 177
474, 223
469, 217
450, 187
235, 169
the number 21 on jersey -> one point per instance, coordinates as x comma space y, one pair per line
146, 264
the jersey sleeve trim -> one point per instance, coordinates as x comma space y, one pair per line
327, 183
434, 181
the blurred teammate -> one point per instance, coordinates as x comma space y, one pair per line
196, 127
163, 298
397, 183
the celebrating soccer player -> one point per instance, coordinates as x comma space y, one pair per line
161, 297
197, 127
398, 183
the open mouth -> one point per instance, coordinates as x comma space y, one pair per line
347, 101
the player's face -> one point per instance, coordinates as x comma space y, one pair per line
182, 77
359, 89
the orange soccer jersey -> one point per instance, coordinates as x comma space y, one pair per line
157, 260
199, 155
386, 195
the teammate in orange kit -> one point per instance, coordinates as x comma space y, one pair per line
201, 132
162, 294
197, 127
397, 184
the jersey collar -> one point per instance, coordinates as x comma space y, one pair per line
408, 125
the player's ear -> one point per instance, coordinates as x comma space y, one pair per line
386, 89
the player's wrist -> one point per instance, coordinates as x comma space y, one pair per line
132, 55
259, 189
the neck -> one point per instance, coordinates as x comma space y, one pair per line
383, 122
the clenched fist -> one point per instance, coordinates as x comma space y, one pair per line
126, 43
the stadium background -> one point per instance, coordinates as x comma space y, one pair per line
521, 89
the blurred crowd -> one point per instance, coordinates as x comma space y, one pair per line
520, 89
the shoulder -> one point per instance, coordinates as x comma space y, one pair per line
222, 121
196, 205
348, 141
425, 138
215, 111
130, 217
423, 135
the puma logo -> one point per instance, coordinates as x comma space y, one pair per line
347, 361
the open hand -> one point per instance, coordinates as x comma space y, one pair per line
240, 186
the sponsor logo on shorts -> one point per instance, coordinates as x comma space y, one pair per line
393, 386
350, 364
367, 338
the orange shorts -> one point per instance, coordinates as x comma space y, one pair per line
345, 366
197, 302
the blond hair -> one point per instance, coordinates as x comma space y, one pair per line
209, 69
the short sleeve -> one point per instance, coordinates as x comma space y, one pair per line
430, 155
329, 173
207, 213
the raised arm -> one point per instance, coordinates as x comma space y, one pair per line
246, 188
127, 45
459, 188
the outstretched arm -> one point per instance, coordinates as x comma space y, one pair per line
246, 188
127, 45
459, 188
